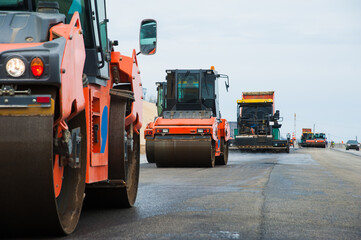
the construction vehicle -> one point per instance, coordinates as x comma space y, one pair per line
189, 131
310, 139
307, 138
258, 127
320, 140
70, 114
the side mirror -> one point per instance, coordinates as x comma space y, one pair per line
226, 82
148, 37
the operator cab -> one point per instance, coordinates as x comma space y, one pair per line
192, 94
257, 118
43, 14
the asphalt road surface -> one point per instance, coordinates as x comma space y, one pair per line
307, 194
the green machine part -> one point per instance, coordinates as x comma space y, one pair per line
160, 101
276, 133
235, 131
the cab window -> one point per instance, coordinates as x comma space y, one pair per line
188, 87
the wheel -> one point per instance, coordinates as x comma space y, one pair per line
223, 158
40, 194
212, 161
357, 149
123, 163
149, 150
346, 148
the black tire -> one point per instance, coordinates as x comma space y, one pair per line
123, 164
131, 176
149, 150
223, 158
212, 162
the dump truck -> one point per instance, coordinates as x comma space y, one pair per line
189, 131
70, 114
258, 127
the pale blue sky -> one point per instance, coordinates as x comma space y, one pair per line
308, 52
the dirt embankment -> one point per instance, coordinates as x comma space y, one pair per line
149, 113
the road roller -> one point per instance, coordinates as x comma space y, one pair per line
70, 114
310, 139
189, 131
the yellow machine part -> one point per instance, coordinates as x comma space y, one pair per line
32, 110
255, 101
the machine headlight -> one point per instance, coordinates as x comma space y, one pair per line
15, 67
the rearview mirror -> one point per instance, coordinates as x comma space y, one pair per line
148, 37
226, 82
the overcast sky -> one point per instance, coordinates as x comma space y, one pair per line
308, 52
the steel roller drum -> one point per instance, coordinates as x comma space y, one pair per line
184, 151
320, 144
149, 150
28, 202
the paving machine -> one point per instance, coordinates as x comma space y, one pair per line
70, 114
258, 127
189, 131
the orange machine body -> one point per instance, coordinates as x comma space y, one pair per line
72, 106
201, 127
95, 99
125, 69
73, 97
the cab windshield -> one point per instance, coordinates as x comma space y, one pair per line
66, 7
256, 112
15, 5
188, 87
320, 135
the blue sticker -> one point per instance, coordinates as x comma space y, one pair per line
104, 129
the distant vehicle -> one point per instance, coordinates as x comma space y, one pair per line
353, 144
310, 139
320, 140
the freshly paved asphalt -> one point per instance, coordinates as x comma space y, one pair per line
307, 194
